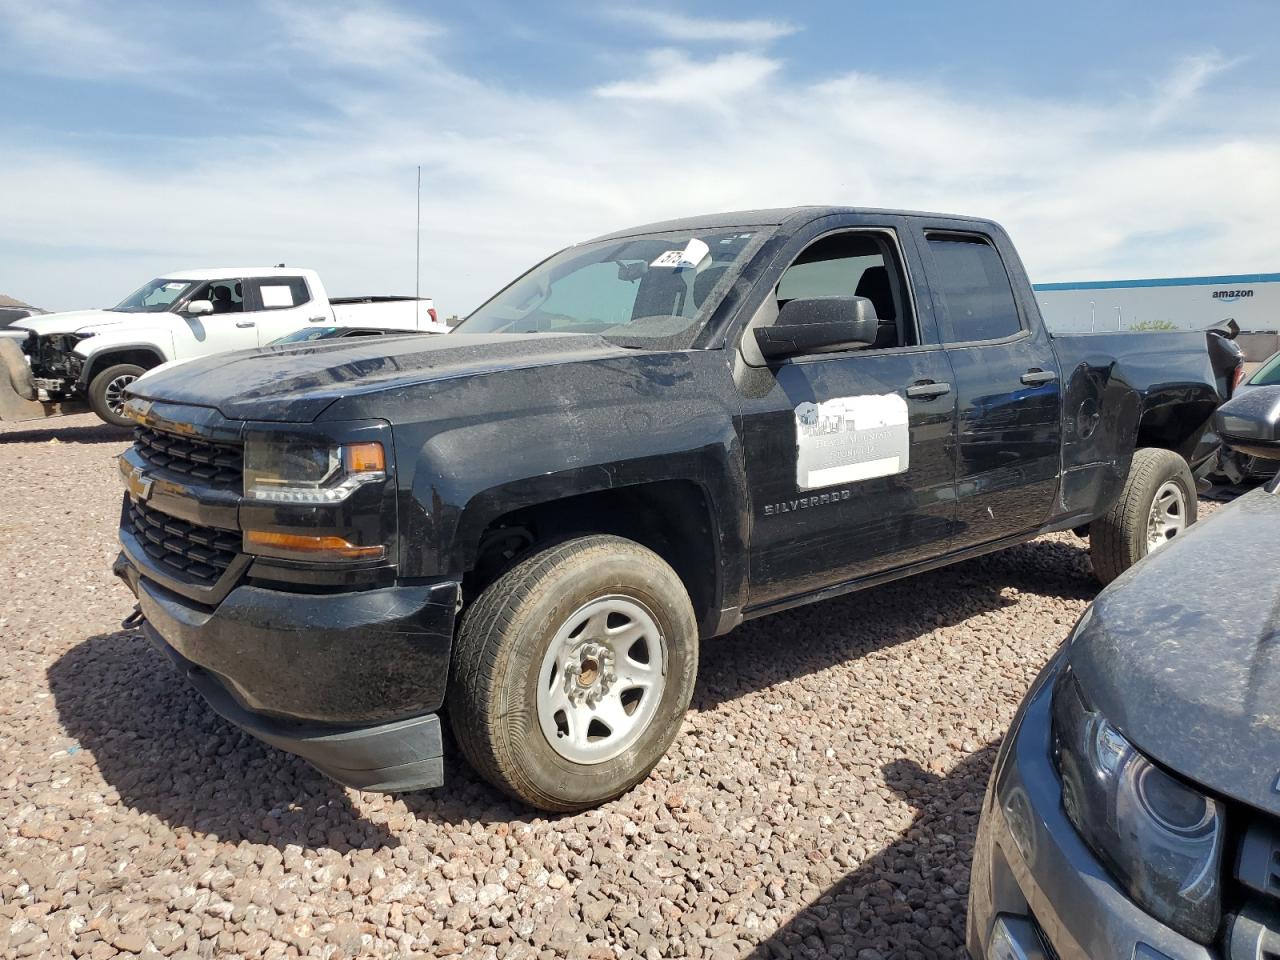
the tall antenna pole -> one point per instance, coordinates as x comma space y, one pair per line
417, 249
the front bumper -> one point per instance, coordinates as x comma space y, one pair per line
350, 682
1035, 882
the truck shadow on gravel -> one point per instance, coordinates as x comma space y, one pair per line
166, 753
820, 635
910, 899
101, 433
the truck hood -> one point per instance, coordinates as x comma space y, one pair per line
82, 321
294, 383
1182, 653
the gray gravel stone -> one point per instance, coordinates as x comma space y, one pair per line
821, 799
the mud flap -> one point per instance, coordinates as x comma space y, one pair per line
19, 399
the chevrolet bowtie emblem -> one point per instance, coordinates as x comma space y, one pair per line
135, 481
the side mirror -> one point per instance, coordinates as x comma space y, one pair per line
1250, 423
198, 307
819, 325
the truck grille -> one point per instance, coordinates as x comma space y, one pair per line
181, 549
214, 463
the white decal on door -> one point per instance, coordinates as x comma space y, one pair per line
847, 439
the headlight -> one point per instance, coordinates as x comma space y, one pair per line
1161, 838
308, 472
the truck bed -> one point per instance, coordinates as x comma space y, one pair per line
391, 312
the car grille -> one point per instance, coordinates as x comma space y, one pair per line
1255, 930
184, 550
214, 463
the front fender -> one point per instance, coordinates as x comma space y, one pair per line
98, 349
464, 475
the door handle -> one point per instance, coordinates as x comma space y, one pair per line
316, 319
927, 390
1035, 377
244, 324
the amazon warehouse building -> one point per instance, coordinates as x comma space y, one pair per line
1184, 303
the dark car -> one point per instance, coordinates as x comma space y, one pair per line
639, 444
1235, 462
313, 333
12, 314
1134, 807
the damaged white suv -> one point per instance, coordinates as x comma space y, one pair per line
59, 361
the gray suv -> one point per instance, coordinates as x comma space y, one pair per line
1134, 807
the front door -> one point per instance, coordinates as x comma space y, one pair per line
849, 455
228, 327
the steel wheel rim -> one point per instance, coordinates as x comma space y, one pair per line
601, 680
1168, 516
114, 393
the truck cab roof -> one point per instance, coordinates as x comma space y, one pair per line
771, 217
220, 273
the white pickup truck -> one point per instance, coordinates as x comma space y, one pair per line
59, 361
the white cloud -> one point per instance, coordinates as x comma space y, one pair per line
367, 35
1185, 82
66, 38
1087, 189
675, 78
680, 28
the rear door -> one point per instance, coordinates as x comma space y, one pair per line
280, 306
1009, 435
849, 462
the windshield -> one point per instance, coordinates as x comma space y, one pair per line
647, 291
156, 297
1268, 374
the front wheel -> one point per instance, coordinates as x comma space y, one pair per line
1157, 505
572, 672
106, 392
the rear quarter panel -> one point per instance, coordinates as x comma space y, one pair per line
1122, 391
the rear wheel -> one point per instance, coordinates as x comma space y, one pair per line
572, 672
106, 392
1157, 505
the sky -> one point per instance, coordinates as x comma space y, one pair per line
1113, 140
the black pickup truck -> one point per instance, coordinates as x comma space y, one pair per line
530, 523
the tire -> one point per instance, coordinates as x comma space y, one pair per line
1124, 534
518, 660
106, 392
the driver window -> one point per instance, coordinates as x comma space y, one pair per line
857, 264
227, 296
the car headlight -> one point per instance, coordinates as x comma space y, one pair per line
292, 470
1160, 837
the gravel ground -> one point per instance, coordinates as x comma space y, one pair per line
821, 800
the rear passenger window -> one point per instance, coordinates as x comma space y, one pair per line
280, 293
971, 281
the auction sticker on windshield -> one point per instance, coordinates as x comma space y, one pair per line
847, 439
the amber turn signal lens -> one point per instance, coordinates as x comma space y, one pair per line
316, 548
364, 458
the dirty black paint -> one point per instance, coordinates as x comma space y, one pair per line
481, 426
1182, 653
